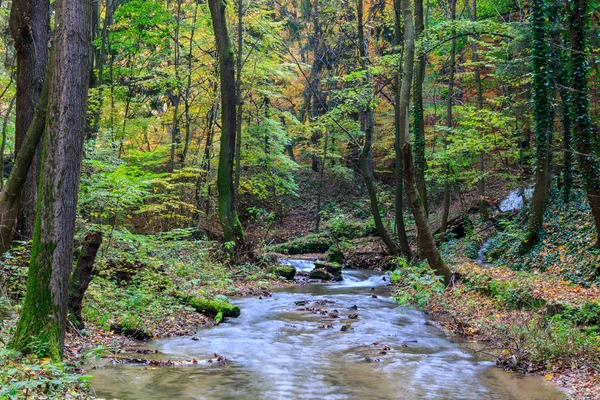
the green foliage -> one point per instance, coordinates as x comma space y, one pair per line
415, 284
31, 377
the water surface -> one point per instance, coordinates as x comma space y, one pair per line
291, 346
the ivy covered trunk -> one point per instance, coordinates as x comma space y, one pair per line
41, 327
419, 113
232, 228
426, 242
30, 30
544, 120
585, 137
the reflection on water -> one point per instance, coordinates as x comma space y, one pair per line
279, 350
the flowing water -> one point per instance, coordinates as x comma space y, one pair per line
291, 346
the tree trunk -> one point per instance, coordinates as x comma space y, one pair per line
544, 124
586, 139
449, 108
399, 170
83, 274
320, 188
4, 135
238, 94
426, 241
481, 160
30, 29
43, 320
176, 95
188, 88
419, 113
11, 192
232, 228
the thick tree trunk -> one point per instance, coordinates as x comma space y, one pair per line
232, 228
585, 137
43, 320
83, 274
12, 192
419, 113
30, 29
426, 241
543, 116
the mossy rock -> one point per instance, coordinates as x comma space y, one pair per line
333, 268
321, 274
285, 271
315, 243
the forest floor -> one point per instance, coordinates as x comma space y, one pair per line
135, 295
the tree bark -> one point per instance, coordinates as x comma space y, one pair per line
449, 125
176, 95
4, 135
426, 241
585, 137
419, 113
543, 128
43, 320
399, 170
11, 194
232, 228
238, 92
30, 30
83, 274
481, 160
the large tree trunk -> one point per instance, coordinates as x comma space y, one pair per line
544, 124
83, 274
30, 29
232, 228
587, 141
43, 320
419, 113
399, 170
238, 93
426, 241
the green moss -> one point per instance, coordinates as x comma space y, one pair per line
315, 243
285, 271
214, 307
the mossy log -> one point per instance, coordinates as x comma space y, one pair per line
215, 308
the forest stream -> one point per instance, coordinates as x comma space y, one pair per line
343, 340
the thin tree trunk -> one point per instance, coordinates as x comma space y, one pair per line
321, 177
419, 113
10, 196
83, 274
44, 315
238, 91
449, 124
232, 228
4, 134
30, 29
176, 95
586, 139
481, 160
426, 241
188, 118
